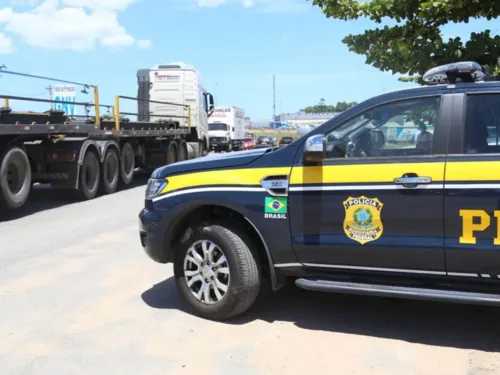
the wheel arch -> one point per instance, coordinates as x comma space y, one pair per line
111, 145
200, 212
90, 145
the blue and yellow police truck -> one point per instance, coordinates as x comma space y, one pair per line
398, 196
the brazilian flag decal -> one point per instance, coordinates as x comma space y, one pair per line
275, 205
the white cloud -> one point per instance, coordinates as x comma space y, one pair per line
268, 6
76, 25
6, 44
210, 3
144, 44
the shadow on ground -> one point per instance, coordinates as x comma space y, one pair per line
430, 323
43, 198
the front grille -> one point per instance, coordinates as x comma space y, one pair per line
218, 139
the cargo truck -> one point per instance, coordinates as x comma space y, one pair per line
226, 129
98, 154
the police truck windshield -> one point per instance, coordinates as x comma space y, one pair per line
219, 126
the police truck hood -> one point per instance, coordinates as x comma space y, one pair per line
212, 161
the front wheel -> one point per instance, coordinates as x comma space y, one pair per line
217, 274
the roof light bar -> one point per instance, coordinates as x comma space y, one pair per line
466, 71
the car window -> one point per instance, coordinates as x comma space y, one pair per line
482, 124
398, 128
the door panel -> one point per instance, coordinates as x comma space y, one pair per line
410, 232
472, 207
376, 204
472, 191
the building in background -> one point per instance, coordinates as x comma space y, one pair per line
301, 118
260, 123
294, 120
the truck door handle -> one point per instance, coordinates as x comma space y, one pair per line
418, 180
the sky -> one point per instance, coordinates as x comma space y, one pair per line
237, 45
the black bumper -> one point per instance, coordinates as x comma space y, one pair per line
152, 229
220, 146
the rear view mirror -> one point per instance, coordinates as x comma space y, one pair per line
315, 149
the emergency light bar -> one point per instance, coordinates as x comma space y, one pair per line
465, 71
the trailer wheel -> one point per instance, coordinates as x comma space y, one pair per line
15, 178
127, 164
89, 176
170, 153
183, 152
110, 171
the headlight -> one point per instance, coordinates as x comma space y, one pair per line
154, 187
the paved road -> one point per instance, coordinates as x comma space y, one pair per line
78, 296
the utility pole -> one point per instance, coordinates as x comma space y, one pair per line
274, 98
50, 96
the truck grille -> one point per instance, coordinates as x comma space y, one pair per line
218, 139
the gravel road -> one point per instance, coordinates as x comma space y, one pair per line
79, 296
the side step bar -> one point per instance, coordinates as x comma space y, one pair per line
399, 292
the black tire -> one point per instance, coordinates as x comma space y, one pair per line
127, 164
15, 178
110, 171
90, 173
245, 273
170, 153
183, 152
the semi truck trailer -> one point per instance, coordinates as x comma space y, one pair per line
97, 155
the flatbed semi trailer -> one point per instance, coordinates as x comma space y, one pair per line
90, 156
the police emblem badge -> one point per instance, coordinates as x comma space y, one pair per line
363, 221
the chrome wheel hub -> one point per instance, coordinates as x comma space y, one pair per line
206, 272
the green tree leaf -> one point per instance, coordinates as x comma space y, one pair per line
324, 108
416, 44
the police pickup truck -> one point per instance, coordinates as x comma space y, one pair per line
398, 196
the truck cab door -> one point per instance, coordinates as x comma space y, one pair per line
375, 203
472, 189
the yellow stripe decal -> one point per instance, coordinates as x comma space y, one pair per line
364, 173
471, 171
247, 176
339, 174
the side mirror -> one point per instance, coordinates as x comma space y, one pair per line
315, 149
377, 138
210, 103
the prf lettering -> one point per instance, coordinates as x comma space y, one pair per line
474, 221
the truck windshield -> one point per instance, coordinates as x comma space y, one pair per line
217, 127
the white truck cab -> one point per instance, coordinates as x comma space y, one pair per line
176, 83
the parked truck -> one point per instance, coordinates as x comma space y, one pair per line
226, 129
98, 154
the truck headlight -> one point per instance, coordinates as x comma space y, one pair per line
154, 187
